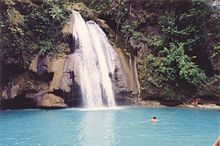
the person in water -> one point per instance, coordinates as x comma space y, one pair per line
154, 119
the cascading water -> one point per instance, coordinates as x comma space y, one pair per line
93, 63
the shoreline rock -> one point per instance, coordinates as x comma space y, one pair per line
49, 100
156, 103
201, 106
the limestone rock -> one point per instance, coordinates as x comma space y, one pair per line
10, 91
48, 100
40, 64
67, 74
150, 103
121, 82
57, 68
61, 68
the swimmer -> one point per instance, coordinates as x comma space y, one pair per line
154, 120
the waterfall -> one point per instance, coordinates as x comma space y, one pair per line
93, 63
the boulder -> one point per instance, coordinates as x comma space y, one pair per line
49, 100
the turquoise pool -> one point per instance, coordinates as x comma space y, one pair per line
120, 127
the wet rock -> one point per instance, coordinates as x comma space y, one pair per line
120, 82
67, 74
150, 103
49, 100
87, 13
125, 100
57, 68
61, 68
105, 28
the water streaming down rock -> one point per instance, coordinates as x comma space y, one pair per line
93, 63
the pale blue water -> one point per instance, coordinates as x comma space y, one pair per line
124, 127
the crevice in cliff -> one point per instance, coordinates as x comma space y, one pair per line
136, 84
202, 59
46, 77
10, 72
67, 39
74, 97
18, 102
111, 23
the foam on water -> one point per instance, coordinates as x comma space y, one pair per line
101, 109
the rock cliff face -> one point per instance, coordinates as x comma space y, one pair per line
141, 22
50, 81
36, 84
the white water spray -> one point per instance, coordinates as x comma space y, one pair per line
93, 63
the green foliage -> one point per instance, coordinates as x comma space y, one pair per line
129, 29
31, 27
187, 26
217, 47
45, 47
172, 58
126, 19
176, 32
174, 67
115, 8
136, 35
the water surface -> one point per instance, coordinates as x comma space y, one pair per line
118, 127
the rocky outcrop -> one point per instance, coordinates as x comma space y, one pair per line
66, 79
40, 64
88, 14
150, 103
56, 68
49, 100
126, 80
50, 81
46, 75
59, 67
121, 82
